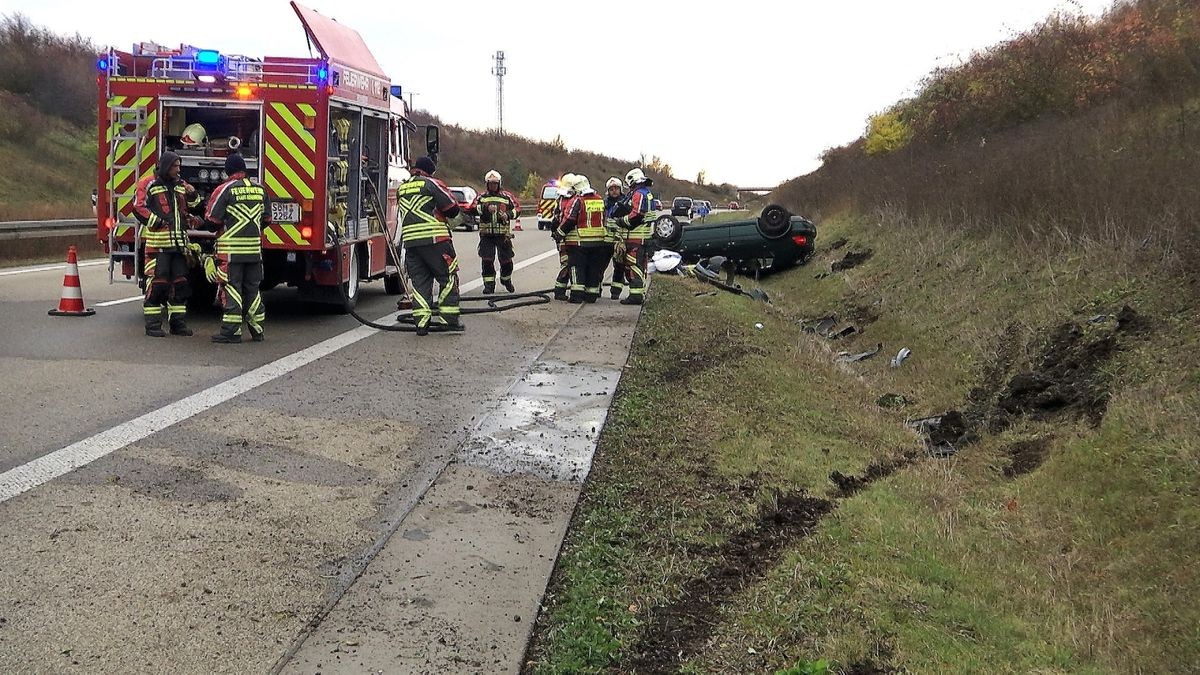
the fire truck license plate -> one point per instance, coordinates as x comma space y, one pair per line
285, 212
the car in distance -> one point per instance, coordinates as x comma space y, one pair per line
774, 241
681, 207
464, 195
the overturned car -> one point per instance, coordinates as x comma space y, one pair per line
776, 240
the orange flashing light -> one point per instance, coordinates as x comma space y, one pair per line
306, 233
244, 91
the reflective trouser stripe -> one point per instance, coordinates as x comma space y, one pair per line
634, 271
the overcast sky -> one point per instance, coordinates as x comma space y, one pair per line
749, 91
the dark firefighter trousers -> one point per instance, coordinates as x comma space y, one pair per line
637, 258
426, 264
563, 281
243, 300
587, 270
168, 287
491, 247
620, 273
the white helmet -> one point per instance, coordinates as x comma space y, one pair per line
492, 176
193, 136
566, 184
582, 184
613, 182
634, 177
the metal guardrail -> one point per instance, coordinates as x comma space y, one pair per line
46, 226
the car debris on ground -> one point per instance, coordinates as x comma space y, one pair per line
717, 270
847, 357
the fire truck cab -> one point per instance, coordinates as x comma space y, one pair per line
327, 137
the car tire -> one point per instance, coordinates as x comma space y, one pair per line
774, 222
667, 231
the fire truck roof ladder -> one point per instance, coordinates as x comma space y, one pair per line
128, 126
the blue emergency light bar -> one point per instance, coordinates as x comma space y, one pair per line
102, 64
322, 73
396, 91
208, 57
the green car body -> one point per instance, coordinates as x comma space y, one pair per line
747, 242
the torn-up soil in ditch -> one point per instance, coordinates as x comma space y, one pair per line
691, 363
1025, 456
851, 260
1065, 379
848, 485
682, 628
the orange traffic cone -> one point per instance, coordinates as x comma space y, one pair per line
71, 302
517, 225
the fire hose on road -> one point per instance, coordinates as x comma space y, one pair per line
406, 321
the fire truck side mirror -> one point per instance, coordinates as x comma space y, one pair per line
432, 144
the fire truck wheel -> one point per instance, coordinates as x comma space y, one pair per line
351, 286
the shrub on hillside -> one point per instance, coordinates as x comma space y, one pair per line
1077, 132
53, 72
1146, 49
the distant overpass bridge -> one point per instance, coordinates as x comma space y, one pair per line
755, 190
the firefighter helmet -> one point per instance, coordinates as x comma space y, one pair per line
634, 177
582, 184
613, 182
492, 176
566, 185
194, 135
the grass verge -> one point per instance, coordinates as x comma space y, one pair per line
1052, 542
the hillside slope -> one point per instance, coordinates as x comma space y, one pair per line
468, 154
1026, 226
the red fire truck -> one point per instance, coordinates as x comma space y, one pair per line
327, 137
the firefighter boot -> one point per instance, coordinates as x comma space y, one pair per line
614, 292
489, 287
180, 327
632, 300
560, 294
227, 337
154, 327
508, 286
257, 335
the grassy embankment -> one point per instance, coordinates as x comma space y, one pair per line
1063, 535
1086, 561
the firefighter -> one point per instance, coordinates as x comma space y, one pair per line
583, 228
427, 212
563, 281
168, 251
241, 209
637, 233
496, 209
614, 194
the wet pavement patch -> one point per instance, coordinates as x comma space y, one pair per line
680, 629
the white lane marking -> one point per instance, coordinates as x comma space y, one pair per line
48, 268
23, 478
122, 301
